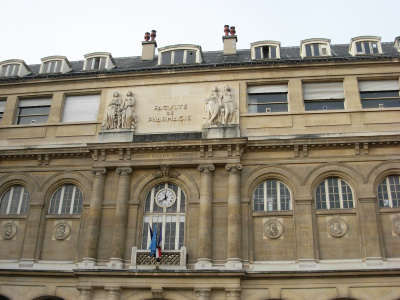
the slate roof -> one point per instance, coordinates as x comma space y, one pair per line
212, 59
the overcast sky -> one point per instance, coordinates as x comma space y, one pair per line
31, 30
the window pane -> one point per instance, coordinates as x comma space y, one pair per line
382, 103
190, 57
285, 197
359, 48
32, 120
145, 234
38, 110
258, 52
366, 48
265, 50
374, 48
77, 209
262, 108
267, 98
394, 186
55, 202
258, 198
103, 62
273, 52
15, 201
316, 49
321, 196
166, 58
81, 108
383, 195
324, 105
178, 58
379, 94
308, 50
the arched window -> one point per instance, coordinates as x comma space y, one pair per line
272, 195
389, 192
67, 199
165, 207
334, 193
15, 201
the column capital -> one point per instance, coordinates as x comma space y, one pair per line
206, 168
124, 170
233, 293
233, 168
99, 171
113, 291
85, 290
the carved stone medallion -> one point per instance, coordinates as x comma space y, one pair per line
337, 227
396, 225
8, 231
273, 229
62, 231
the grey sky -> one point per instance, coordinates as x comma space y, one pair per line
31, 30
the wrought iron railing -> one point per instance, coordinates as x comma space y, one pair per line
170, 259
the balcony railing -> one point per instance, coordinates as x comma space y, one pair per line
170, 259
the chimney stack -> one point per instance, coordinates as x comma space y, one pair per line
149, 47
229, 40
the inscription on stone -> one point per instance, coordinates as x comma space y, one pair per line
165, 155
170, 113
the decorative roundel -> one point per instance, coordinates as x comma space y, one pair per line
273, 229
62, 231
396, 225
337, 227
9, 230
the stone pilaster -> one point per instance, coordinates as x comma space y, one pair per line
113, 293
32, 234
232, 294
94, 218
370, 234
205, 217
120, 219
203, 294
234, 249
85, 293
304, 232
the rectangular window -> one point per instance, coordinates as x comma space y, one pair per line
267, 98
379, 94
33, 111
80, 108
367, 48
323, 96
2, 106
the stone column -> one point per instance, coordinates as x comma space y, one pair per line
203, 294
32, 233
369, 228
304, 232
85, 293
232, 294
234, 241
205, 217
120, 219
113, 293
94, 218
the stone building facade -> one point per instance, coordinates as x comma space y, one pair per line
266, 173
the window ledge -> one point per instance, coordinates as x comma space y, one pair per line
389, 210
50, 124
344, 211
272, 213
14, 216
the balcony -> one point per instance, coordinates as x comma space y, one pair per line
169, 260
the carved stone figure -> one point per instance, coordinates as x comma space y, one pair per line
62, 231
9, 231
166, 172
112, 115
212, 107
120, 114
273, 229
128, 115
229, 105
337, 227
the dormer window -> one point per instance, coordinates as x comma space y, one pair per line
365, 45
99, 61
265, 50
315, 47
180, 54
13, 68
397, 43
55, 64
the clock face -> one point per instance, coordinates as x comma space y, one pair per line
165, 197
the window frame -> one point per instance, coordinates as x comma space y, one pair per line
327, 194
150, 216
60, 201
23, 68
20, 200
271, 44
92, 58
336, 95
270, 89
172, 50
366, 87
322, 44
278, 196
389, 192
46, 104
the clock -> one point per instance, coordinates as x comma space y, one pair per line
165, 197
